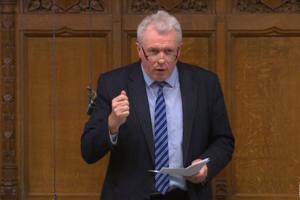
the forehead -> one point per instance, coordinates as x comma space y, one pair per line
152, 38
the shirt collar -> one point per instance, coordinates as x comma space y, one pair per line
171, 81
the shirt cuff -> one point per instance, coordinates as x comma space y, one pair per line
113, 138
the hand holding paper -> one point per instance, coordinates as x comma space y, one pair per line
188, 171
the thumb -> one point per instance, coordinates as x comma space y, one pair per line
123, 92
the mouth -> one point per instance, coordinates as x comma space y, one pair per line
160, 69
160, 74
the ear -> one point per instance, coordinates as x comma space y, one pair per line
179, 50
139, 49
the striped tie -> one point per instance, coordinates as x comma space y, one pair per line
161, 141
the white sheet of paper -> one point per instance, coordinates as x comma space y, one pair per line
188, 171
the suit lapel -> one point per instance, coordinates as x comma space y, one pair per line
139, 100
189, 98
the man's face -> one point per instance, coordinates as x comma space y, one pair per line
159, 53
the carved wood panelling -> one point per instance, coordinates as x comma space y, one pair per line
194, 6
265, 111
65, 6
221, 188
268, 6
195, 50
51, 139
8, 184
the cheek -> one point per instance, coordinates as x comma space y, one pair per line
147, 67
171, 67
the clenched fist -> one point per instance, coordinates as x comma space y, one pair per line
119, 113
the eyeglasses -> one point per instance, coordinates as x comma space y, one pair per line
153, 54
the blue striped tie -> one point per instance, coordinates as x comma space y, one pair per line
161, 140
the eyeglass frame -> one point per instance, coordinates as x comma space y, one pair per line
167, 55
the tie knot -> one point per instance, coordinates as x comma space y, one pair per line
161, 84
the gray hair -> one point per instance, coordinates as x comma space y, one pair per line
163, 23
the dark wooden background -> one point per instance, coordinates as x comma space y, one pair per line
52, 49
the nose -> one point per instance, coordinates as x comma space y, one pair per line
161, 54
161, 57
161, 60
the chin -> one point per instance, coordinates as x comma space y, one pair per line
160, 78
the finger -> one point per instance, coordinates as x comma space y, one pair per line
192, 179
121, 103
120, 106
120, 100
197, 178
123, 92
116, 105
121, 109
121, 97
122, 114
204, 171
196, 161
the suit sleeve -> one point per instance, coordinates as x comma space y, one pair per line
95, 140
221, 139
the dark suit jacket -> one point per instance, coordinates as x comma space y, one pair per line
206, 131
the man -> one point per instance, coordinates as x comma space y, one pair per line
156, 113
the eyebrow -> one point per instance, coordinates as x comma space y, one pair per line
164, 49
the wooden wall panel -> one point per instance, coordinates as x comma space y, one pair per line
132, 50
57, 75
38, 113
196, 50
264, 79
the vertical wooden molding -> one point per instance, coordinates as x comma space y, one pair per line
8, 184
221, 40
116, 34
221, 188
221, 8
